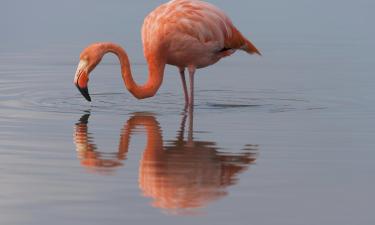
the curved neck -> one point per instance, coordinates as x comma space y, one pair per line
156, 66
154, 147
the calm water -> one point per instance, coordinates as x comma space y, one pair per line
286, 138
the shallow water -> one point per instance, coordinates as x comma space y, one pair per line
286, 138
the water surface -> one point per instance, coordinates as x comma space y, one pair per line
286, 138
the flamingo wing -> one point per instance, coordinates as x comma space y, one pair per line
194, 19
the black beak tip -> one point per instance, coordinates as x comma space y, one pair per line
88, 98
84, 92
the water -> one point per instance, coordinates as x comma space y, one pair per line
285, 138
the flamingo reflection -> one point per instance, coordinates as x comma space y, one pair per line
178, 174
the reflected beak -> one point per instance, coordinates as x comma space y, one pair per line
81, 80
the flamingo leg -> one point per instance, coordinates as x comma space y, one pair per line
191, 76
183, 80
190, 138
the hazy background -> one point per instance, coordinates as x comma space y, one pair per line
307, 104
36, 25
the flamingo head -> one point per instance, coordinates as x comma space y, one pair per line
89, 59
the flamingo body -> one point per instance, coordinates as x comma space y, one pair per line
185, 33
193, 33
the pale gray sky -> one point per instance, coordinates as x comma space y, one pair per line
28, 25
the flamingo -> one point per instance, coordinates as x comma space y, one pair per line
188, 34
165, 168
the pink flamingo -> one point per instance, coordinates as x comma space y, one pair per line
188, 34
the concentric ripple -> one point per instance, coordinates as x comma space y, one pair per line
48, 88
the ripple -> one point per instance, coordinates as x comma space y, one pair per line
224, 106
35, 89
165, 102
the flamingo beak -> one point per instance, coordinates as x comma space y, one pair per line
85, 92
81, 79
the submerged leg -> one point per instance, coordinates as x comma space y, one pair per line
183, 80
191, 76
190, 138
